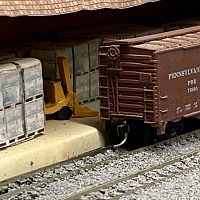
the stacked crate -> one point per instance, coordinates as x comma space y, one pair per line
6, 55
94, 85
48, 55
93, 47
3, 132
82, 67
21, 100
81, 58
16, 51
82, 87
78, 58
31, 71
11, 105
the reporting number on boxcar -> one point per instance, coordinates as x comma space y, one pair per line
192, 86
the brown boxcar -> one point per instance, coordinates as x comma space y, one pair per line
154, 78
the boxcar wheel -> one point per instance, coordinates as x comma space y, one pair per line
64, 114
174, 128
141, 134
149, 135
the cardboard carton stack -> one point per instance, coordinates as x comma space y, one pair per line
93, 47
82, 87
31, 72
21, 100
82, 68
81, 58
48, 55
11, 111
78, 55
94, 85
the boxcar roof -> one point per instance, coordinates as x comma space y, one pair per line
169, 43
183, 36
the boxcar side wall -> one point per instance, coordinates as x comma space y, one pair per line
179, 83
127, 84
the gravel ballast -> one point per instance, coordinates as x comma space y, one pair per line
78, 176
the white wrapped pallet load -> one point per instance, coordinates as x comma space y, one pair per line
11, 105
82, 87
93, 61
93, 46
34, 116
11, 84
3, 132
81, 49
1, 98
51, 51
94, 85
81, 64
81, 58
31, 69
48, 55
6, 55
32, 95
14, 121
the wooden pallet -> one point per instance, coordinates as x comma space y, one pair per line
34, 133
94, 99
12, 141
88, 100
34, 97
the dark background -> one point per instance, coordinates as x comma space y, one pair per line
21, 29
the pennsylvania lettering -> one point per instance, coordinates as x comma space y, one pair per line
183, 73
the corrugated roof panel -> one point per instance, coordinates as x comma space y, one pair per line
56, 7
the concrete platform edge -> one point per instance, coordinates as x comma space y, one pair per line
55, 146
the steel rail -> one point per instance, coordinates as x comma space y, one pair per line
134, 175
109, 159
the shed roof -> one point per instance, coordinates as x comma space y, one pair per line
57, 7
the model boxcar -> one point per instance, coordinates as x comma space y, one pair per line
155, 78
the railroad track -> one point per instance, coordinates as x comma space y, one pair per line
92, 175
145, 178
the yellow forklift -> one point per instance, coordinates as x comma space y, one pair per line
60, 99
